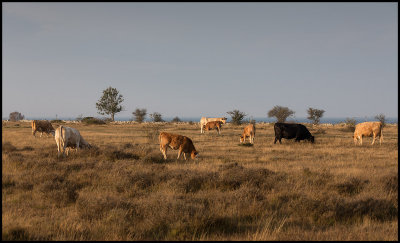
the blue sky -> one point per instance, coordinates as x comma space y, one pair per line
200, 59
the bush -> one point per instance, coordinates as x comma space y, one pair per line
350, 124
156, 117
176, 119
281, 113
16, 116
92, 120
237, 116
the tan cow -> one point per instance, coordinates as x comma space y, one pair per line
213, 124
204, 120
42, 126
249, 131
174, 141
368, 129
68, 137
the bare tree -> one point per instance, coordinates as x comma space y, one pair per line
156, 117
315, 115
139, 114
381, 117
281, 113
16, 116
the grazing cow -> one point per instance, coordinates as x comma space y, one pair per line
68, 137
174, 141
289, 131
368, 129
204, 120
42, 126
249, 131
213, 124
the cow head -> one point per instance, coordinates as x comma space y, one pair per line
223, 120
241, 139
311, 139
193, 154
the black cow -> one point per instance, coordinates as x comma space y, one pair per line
292, 130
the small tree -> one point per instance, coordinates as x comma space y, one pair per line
16, 116
315, 115
176, 119
237, 116
351, 124
110, 102
281, 113
381, 117
139, 115
156, 117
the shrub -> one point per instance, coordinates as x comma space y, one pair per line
92, 120
315, 115
281, 113
139, 115
237, 116
176, 119
156, 117
381, 117
350, 124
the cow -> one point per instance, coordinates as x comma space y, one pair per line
68, 137
292, 130
250, 132
368, 129
204, 120
213, 124
175, 141
42, 126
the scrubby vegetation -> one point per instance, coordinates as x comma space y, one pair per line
123, 189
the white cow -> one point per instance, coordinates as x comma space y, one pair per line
68, 137
204, 120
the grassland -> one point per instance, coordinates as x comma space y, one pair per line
124, 190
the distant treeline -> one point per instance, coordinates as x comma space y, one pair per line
257, 119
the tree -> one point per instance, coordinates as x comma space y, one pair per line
16, 116
315, 115
176, 119
156, 117
237, 116
381, 117
110, 102
139, 114
281, 113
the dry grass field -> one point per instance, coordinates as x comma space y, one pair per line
124, 190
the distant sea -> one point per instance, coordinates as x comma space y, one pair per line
257, 119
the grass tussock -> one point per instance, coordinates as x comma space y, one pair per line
122, 188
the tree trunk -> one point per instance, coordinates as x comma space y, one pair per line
112, 116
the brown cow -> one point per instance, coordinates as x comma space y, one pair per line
174, 141
213, 124
368, 129
204, 120
42, 126
249, 131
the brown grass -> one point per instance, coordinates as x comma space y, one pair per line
124, 190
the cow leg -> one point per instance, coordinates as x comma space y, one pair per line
380, 139
184, 155
164, 151
275, 140
179, 153
373, 139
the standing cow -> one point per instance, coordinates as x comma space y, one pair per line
250, 132
68, 137
292, 130
368, 129
213, 124
175, 141
42, 126
204, 120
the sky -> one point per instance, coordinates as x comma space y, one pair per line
200, 59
